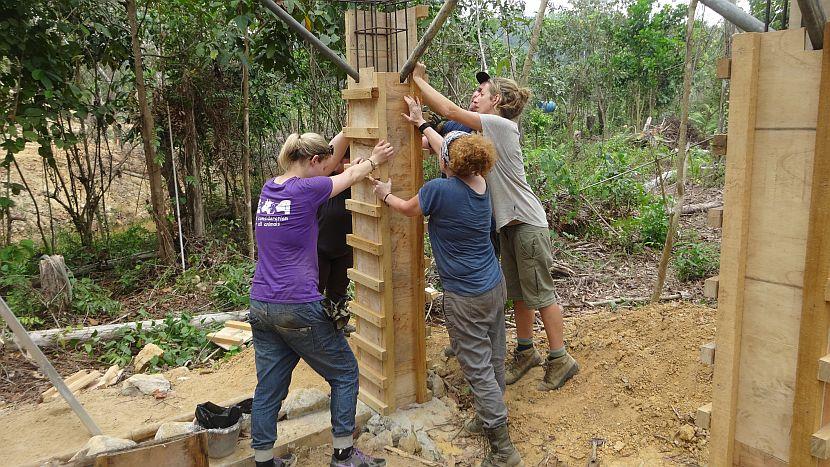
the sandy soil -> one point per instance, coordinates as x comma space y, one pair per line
640, 382
124, 202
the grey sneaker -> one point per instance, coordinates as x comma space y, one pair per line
522, 363
358, 459
474, 426
558, 371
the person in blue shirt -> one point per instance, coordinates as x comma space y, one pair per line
460, 213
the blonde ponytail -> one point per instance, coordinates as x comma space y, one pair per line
298, 148
513, 97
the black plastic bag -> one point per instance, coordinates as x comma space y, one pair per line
246, 405
212, 416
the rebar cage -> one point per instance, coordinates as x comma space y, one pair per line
380, 33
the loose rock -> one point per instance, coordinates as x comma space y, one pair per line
304, 401
145, 384
172, 429
686, 433
142, 360
100, 444
409, 443
439, 389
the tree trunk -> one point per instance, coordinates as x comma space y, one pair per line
688, 73
534, 42
165, 240
195, 197
246, 151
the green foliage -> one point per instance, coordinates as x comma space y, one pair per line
90, 299
17, 265
181, 341
233, 285
694, 259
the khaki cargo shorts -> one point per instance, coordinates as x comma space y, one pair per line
526, 260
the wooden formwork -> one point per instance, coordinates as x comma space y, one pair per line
388, 270
773, 318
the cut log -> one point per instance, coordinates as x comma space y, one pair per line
693, 208
54, 282
51, 337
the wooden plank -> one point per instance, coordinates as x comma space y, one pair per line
376, 379
810, 393
707, 353
363, 279
373, 402
752, 457
187, 451
744, 75
714, 217
363, 344
820, 443
710, 287
364, 313
421, 11
361, 133
359, 93
827, 291
824, 369
371, 210
362, 244
238, 325
703, 416
718, 145
723, 68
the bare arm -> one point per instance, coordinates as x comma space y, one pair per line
441, 105
382, 152
416, 117
409, 208
340, 144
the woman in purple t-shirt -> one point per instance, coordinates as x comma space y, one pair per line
287, 317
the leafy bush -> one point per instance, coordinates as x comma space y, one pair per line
694, 259
91, 299
181, 341
17, 265
653, 223
233, 286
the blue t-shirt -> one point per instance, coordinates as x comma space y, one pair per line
459, 231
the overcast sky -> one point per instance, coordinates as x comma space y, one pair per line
532, 6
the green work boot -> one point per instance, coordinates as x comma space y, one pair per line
558, 371
522, 363
474, 426
502, 452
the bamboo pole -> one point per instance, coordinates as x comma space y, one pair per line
688, 73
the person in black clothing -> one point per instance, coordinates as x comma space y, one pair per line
334, 256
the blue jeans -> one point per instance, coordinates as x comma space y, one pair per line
283, 334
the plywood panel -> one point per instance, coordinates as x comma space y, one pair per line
768, 357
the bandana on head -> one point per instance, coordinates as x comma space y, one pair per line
445, 148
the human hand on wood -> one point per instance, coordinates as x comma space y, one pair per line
382, 152
382, 189
420, 71
416, 113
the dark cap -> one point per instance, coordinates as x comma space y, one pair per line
482, 77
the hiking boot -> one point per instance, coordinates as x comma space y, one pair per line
502, 452
449, 352
558, 371
522, 362
474, 426
358, 459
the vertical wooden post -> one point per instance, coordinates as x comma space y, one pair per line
810, 393
388, 247
746, 57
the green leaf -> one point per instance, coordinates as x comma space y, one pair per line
30, 135
241, 22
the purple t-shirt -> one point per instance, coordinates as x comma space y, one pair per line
286, 235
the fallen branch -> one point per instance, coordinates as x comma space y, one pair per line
614, 301
693, 208
51, 337
409, 456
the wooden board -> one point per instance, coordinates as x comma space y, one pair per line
768, 195
745, 53
723, 68
707, 353
820, 444
703, 416
187, 451
710, 287
811, 399
714, 218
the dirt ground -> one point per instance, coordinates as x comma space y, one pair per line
125, 200
640, 382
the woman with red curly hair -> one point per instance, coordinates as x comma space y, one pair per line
459, 211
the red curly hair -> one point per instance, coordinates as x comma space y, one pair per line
472, 155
